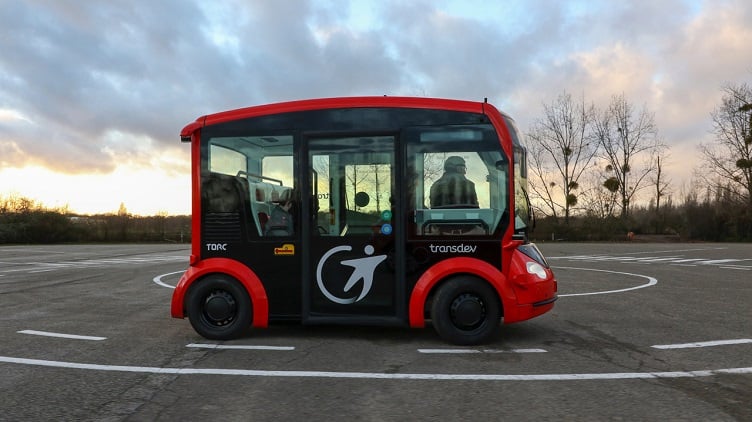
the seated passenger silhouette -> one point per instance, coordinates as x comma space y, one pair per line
453, 189
281, 221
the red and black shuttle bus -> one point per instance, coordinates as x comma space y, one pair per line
361, 210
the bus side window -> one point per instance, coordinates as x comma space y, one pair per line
456, 191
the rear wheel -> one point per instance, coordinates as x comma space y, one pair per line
466, 311
219, 308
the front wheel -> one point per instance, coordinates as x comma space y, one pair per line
219, 308
466, 311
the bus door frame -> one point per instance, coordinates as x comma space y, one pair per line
309, 315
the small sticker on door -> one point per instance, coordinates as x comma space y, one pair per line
287, 249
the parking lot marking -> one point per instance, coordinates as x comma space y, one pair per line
702, 344
471, 351
721, 261
158, 279
61, 335
737, 268
651, 282
238, 347
658, 259
41, 267
671, 260
377, 375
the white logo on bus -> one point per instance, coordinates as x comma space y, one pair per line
461, 248
363, 269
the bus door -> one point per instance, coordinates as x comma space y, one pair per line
353, 261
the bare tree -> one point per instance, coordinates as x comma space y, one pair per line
660, 185
354, 179
728, 162
598, 198
381, 184
561, 150
628, 140
659, 182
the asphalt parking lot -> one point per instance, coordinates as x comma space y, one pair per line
640, 332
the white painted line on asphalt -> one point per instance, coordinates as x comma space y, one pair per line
656, 259
702, 344
61, 335
719, 261
471, 351
158, 279
377, 375
36, 251
636, 253
726, 263
239, 347
651, 282
678, 250
42, 267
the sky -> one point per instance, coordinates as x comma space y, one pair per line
93, 94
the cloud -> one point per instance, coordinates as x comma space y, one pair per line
80, 71
86, 86
84, 71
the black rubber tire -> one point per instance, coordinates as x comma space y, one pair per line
466, 311
219, 308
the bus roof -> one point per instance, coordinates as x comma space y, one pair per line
338, 102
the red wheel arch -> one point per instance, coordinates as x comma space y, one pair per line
243, 274
447, 267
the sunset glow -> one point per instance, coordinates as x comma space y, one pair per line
141, 191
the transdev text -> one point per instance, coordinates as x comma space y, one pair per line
462, 248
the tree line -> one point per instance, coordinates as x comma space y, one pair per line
598, 173
24, 220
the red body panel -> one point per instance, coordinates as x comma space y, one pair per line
443, 269
232, 268
343, 102
517, 295
196, 192
529, 290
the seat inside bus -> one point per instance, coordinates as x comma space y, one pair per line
264, 197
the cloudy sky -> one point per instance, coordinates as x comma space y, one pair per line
93, 94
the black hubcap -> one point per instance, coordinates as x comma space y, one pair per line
467, 311
220, 308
